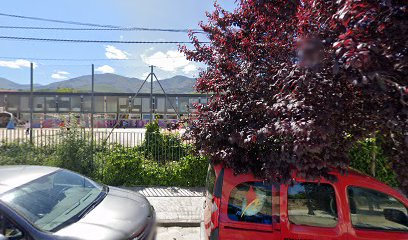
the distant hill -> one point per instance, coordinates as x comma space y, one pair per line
10, 85
109, 83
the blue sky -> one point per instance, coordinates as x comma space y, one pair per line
179, 14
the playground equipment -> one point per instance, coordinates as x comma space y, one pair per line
7, 120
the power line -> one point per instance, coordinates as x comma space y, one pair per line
83, 59
44, 66
58, 21
102, 29
91, 24
91, 41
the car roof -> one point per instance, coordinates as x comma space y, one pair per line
14, 176
350, 172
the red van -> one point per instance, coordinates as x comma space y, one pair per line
354, 207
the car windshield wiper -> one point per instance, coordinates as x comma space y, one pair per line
93, 204
85, 211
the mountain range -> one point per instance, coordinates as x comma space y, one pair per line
108, 83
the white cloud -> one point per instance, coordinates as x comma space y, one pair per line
19, 63
105, 69
190, 68
144, 75
60, 75
112, 52
170, 61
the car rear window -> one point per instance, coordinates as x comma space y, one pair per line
210, 181
371, 209
312, 204
251, 202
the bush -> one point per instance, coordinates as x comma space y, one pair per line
190, 171
162, 146
133, 166
22, 154
129, 167
162, 159
75, 151
121, 166
361, 158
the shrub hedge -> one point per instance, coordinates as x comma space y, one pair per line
162, 160
130, 167
155, 163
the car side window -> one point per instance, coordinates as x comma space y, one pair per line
371, 209
10, 230
210, 181
251, 202
312, 204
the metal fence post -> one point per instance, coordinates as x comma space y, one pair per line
92, 100
151, 94
31, 101
92, 113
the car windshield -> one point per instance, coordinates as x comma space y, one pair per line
55, 200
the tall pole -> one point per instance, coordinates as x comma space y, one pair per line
151, 93
31, 101
92, 101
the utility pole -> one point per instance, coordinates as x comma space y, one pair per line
31, 101
152, 76
151, 93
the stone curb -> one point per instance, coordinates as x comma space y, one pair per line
178, 224
175, 207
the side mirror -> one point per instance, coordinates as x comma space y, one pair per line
395, 215
2, 237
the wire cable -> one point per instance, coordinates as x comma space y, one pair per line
91, 41
84, 59
88, 24
58, 21
101, 29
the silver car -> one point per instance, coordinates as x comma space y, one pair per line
44, 203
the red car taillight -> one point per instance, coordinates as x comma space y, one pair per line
215, 213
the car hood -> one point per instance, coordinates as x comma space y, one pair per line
120, 215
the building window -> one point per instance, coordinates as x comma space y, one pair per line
39, 104
160, 104
25, 104
111, 104
171, 103
12, 102
64, 104
146, 105
123, 104
312, 204
76, 103
375, 210
2, 100
183, 104
87, 104
99, 104
251, 202
137, 105
51, 104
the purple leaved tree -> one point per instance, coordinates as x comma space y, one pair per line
296, 83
